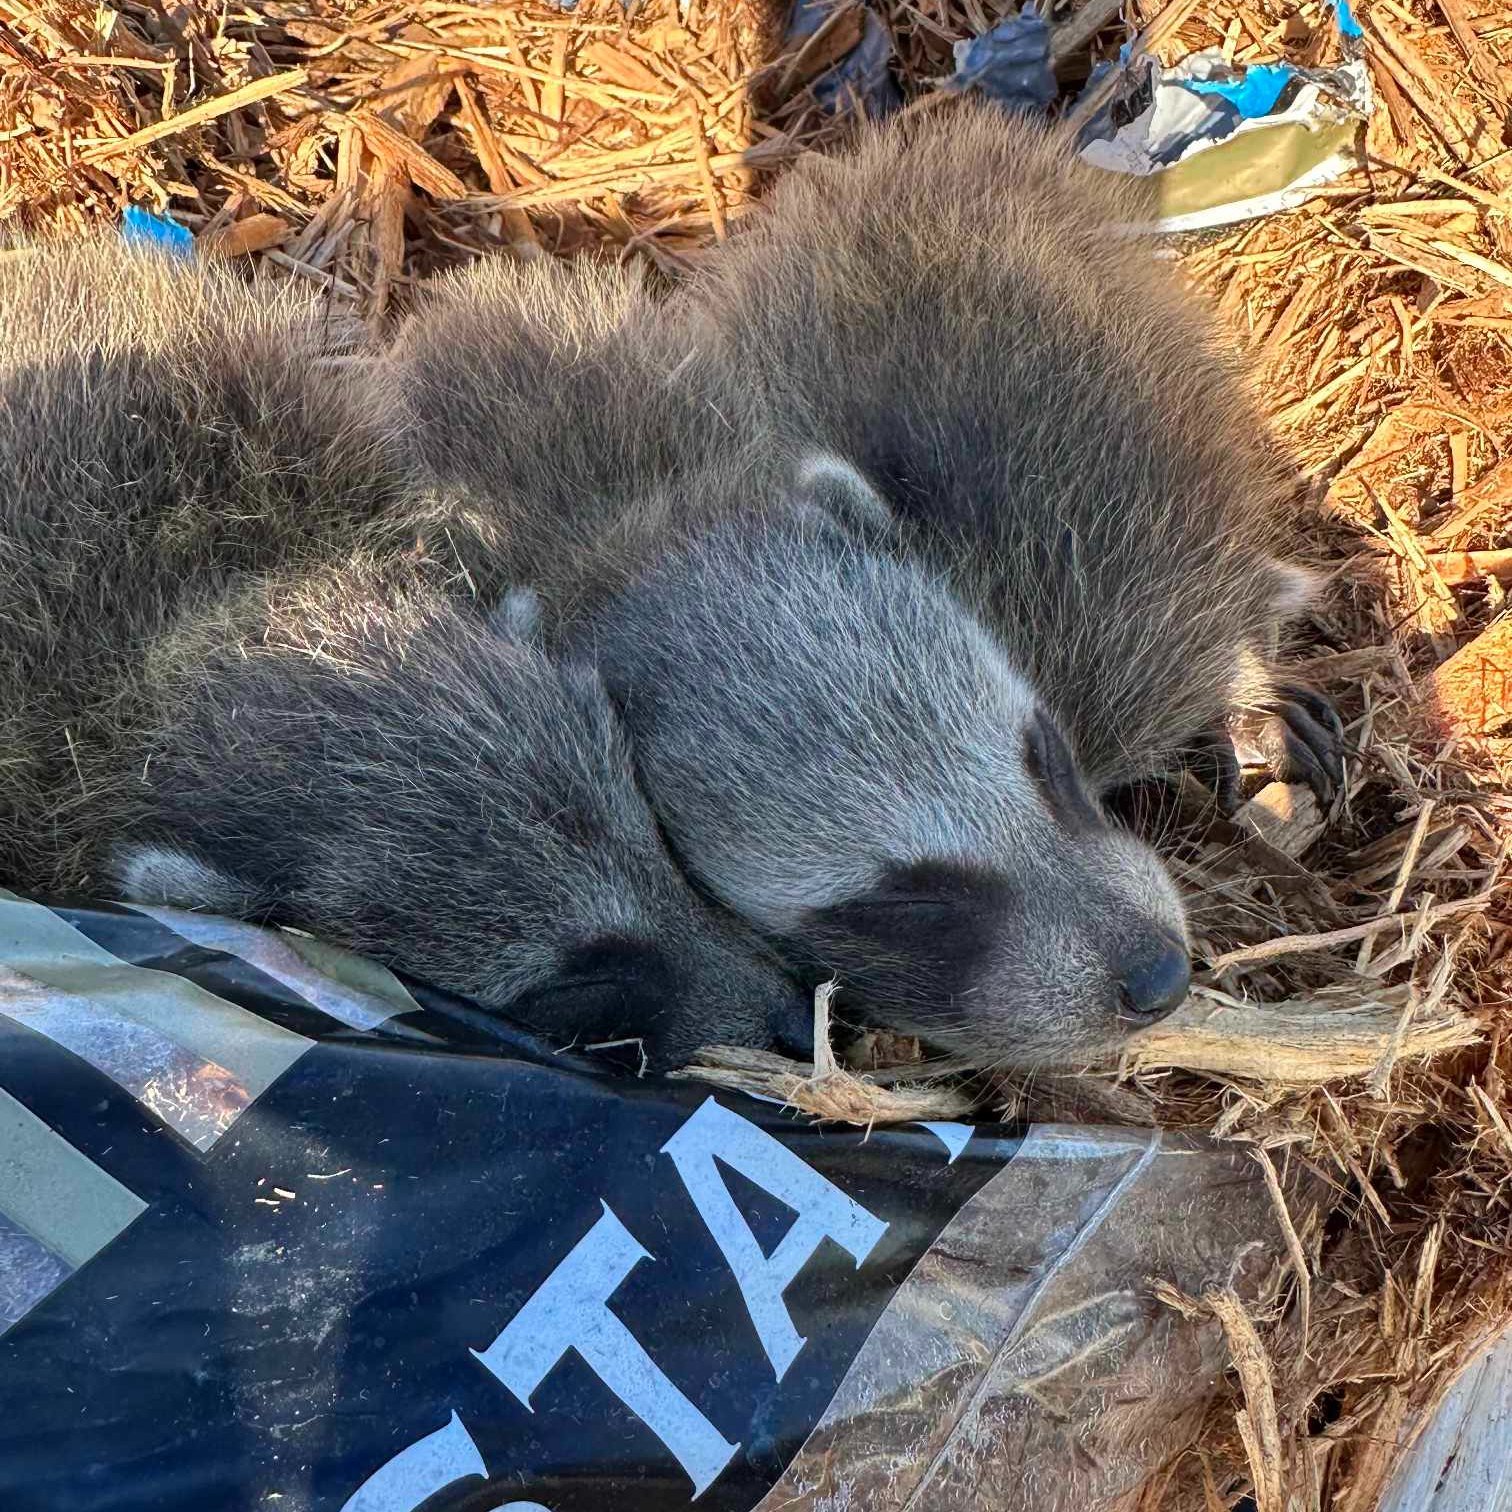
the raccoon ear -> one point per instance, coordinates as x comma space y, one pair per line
146, 872
517, 616
1294, 588
586, 678
826, 482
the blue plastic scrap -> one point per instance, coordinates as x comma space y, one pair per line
864, 73
1348, 26
146, 229
1249, 93
1252, 91
1009, 63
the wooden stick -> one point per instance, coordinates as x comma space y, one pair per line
1489, 492
1403, 877
1289, 945
1460, 568
1081, 26
248, 94
706, 172
391, 146
1304, 406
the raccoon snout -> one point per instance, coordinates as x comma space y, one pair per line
1154, 979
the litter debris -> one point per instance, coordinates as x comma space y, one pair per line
970, 1287
1009, 63
1224, 144
146, 229
863, 76
1344, 16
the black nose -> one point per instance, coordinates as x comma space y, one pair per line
1155, 979
791, 1025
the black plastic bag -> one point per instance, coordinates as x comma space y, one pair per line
279, 1232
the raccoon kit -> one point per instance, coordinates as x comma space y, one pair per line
213, 695
952, 309
838, 748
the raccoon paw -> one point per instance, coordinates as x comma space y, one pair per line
1213, 761
1300, 737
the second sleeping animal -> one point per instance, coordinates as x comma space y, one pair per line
955, 307
212, 695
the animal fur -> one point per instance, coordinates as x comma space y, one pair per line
952, 308
213, 696
836, 748
160, 436
363, 757
561, 441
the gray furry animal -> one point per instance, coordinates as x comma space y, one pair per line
358, 755
160, 435
213, 696
952, 307
836, 748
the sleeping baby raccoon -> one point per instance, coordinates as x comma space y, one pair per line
211, 697
953, 307
836, 747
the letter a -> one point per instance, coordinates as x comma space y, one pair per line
824, 1211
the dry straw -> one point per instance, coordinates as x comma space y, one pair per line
1352, 1019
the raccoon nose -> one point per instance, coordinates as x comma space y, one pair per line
1155, 979
791, 1025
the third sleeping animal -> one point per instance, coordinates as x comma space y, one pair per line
955, 308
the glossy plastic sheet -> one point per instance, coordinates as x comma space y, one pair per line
278, 1231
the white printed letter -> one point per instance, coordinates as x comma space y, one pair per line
570, 1310
419, 1470
823, 1211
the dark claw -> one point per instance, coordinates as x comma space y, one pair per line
1302, 740
1290, 756
1321, 709
1212, 760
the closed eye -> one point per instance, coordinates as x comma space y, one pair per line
876, 905
1049, 761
